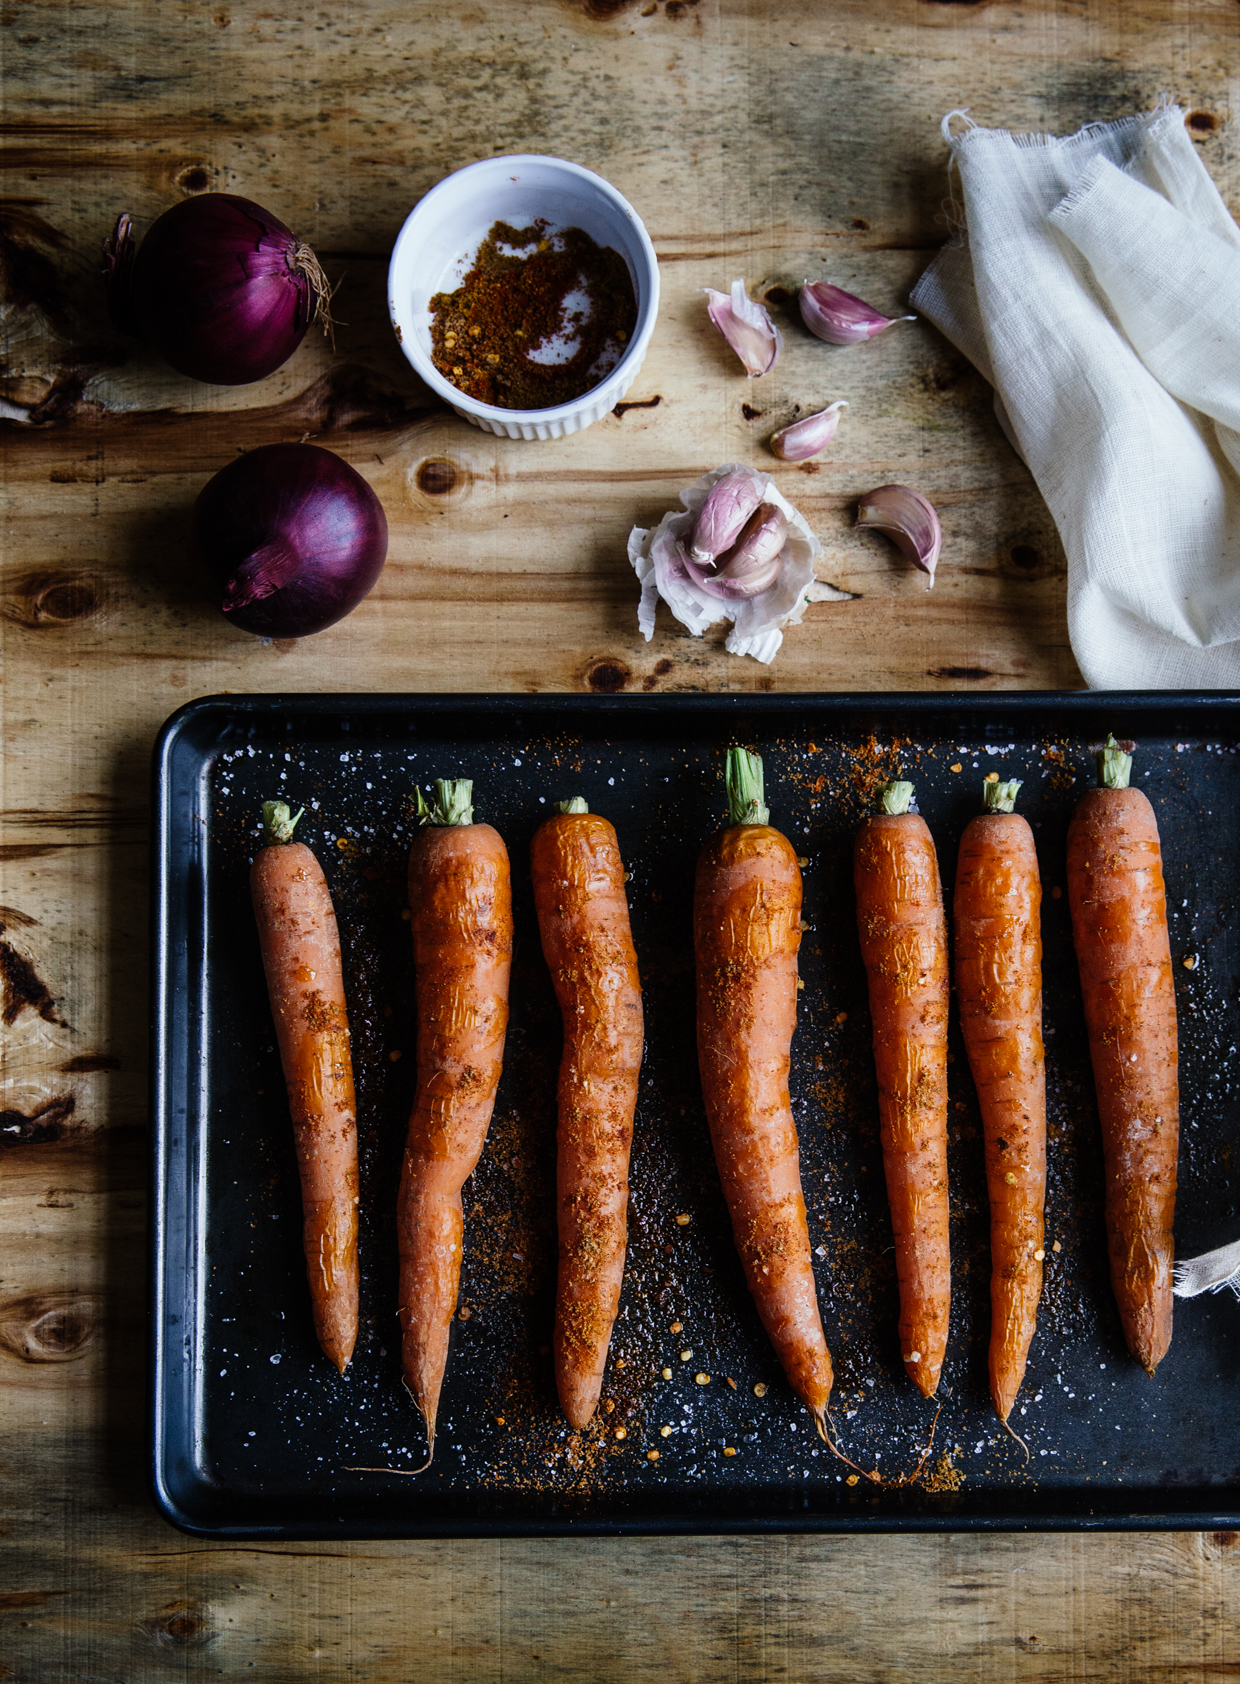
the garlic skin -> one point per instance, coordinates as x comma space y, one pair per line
747, 327
660, 559
723, 515
841, 318
909, 520
752, 565
809, 435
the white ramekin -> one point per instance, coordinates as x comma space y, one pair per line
446, 228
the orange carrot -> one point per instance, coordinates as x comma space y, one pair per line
747, 929
904, 946
583, 918
1119, 927
460, 899
305, 981
999, 987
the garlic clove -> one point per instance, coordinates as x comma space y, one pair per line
909, 520
809, 435
753, 564
722, 516
841, 318
747, 327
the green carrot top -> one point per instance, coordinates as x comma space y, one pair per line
452, 802
744, 778
999, 797
277, 825
896, 796
1114, 762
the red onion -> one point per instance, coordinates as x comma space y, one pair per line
294, 536
224, 291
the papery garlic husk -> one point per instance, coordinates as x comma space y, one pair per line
661, 561
909, 520
747, 327
841, 318
722, 517
809, 435
752, 565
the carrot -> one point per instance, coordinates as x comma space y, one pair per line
1119, 928
747, 929
305, 982
583, 918
460, 900
999, 988
904, 946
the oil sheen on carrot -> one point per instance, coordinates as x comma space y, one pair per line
999, 990
1119, 928
903, 932
305, 983
460, 902
747, 930
583, 918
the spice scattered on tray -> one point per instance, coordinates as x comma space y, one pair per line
541, 318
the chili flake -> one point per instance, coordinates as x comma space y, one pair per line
540, 319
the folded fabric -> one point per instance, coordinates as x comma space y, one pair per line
1094, 286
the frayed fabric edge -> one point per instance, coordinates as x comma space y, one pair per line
1210, 1272
1165, 111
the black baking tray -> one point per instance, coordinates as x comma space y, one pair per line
253, 1432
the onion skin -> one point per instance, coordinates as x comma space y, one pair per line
220, 287
294, 537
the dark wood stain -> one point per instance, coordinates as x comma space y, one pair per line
1202, 122
11, 918
49, 1122
750, 413
30, 276
622, 409
24, 988
960, 672
83, 1063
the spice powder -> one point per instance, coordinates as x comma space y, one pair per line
539, 320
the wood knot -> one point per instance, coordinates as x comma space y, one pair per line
437, 477
1201, 123
48, 1326
194, 178
39, 601
778, 295
181, 1625
606, 675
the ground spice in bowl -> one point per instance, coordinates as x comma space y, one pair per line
540, 319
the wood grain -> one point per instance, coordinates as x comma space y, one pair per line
774, 142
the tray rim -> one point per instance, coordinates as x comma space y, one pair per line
172, 736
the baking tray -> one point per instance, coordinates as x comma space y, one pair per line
252, 1430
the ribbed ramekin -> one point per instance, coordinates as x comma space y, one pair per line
449, 224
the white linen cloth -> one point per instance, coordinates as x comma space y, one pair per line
1096, 285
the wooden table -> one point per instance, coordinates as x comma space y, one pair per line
769, 141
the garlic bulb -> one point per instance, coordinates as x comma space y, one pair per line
841, 318
909, 520
747, 327
752, 565
660, 558
729, 504
809, 435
